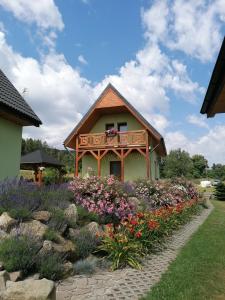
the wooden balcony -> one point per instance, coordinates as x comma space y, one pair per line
125, 139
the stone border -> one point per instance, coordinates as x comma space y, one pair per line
130, 283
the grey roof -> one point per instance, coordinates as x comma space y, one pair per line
216, 83
11, 100
39, 158
148, 125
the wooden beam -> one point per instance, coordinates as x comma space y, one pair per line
76, 157
82, 154
93, 153
116, 152
99, 163
141, 151
147, 157
128, 152
122, 165
104, 153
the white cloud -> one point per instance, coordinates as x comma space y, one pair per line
209, 145
42, 12
199, 121
82, 60
192, 26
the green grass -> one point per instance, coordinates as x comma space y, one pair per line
199, 270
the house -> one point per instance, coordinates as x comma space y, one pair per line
214, 101
14, 114
114, 138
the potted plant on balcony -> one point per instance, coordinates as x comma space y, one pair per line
111, 132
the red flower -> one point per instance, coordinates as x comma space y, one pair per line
131, 230
133, 222
138, 234
140, 215
152, 224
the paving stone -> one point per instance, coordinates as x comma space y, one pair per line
129, 283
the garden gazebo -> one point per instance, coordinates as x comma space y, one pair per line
37, 161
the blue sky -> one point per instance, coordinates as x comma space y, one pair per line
158, 54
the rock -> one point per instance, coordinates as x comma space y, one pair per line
15, 276
1, 266
71, 213
35, 276
3, 234
94, 228
67, 268
47, 246
33, 228
29, 289
42, 215
6, 222
72, 233
67, 249
4, 276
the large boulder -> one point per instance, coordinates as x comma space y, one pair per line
94, 228
6, 222
4, 276
71, 213
72, 233
33, 228
3, 235
67, 249
42, 215
29, 289
15, 276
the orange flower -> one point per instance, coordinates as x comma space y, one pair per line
152, 224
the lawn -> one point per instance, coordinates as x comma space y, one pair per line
199, 270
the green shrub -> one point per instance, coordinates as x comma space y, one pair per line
220, 192
21, 214
84, 266
50, 266
85, 216
58, 221
85, 243
51, 235
18, 253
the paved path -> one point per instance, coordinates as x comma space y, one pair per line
129, 283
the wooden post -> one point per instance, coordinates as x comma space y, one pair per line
147, 156
76, 158
99, 163
122, 165
40, 177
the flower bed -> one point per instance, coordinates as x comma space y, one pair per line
64, 224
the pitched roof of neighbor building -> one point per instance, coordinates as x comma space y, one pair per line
114, 103
39, 158
214, 101
13, 106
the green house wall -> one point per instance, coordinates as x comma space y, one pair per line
10, 148
132, 123
134, 163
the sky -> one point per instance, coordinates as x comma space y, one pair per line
159, 54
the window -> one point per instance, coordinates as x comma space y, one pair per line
109, 126
115, 169
122, 126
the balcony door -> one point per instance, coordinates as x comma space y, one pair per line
115, 169
122, 126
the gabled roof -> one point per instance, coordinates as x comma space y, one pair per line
39, 158
13, 104
117, 104
214, 101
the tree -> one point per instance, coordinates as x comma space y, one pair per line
220, 192
200, 164
217, 171
177, 164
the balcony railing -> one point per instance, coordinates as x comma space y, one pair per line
123, 139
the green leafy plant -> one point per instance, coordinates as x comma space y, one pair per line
50, 266
21, 214
85, 243
18, 253
220, 192
51, 235
85, 216
58, 221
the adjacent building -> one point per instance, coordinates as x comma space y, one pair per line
114, 138
214, 101
14, 114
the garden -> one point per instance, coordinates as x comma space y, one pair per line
88, 224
